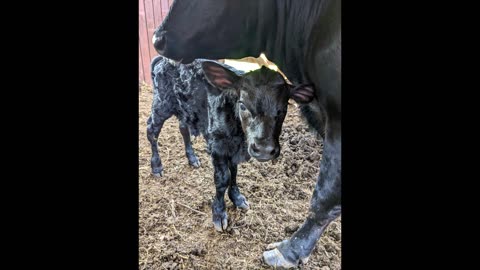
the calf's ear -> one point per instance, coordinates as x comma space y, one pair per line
219, 76
303, 93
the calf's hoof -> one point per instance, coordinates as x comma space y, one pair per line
158, 175
157, 172
242, 203
238, 199
220, 221
193, 161
195, 164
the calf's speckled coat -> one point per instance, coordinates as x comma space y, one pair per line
239, 114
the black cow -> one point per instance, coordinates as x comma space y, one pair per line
239, 115
304, 39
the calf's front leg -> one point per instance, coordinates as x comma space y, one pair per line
221, 177
189, 152
233, 192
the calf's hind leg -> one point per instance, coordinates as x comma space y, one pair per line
189, 152
154, 126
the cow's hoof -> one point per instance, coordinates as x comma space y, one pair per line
220, 221
276, 244
275, 258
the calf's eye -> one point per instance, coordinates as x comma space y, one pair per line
242, 107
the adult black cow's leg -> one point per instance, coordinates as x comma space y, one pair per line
233, 192
325, 206
189, 152
154, 126
221, 177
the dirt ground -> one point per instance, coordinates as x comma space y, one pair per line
175, 220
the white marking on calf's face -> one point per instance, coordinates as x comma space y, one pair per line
257, 131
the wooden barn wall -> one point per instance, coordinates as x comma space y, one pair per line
150, 15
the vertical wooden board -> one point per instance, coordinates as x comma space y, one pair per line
141, 75
169, 4
143, 35
165, 8
150, 26
157, 12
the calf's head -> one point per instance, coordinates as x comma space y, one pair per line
262, 104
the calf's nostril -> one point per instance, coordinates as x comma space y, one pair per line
254, 148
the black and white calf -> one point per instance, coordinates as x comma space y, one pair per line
239, 115
178, 90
